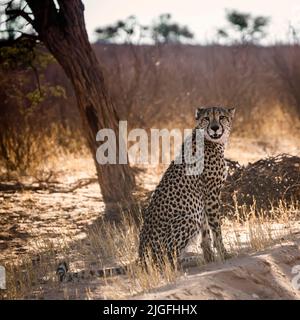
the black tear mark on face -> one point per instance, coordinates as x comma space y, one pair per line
92, 118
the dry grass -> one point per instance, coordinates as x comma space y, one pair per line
248, 230
107, 245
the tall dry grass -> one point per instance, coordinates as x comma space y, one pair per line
157, 85
107, 244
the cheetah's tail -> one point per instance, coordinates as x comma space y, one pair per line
64, 275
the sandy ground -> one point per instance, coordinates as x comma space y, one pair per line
265, 275
28, 216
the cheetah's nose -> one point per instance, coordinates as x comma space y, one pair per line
215, 127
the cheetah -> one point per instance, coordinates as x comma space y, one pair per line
185, 207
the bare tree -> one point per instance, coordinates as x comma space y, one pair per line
60, 26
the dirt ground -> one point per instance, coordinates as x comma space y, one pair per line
28, 216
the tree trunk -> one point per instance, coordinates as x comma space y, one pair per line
63, 32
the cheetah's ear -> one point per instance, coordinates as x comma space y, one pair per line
231, 111
198, 113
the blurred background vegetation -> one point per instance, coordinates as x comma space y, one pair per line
156, 75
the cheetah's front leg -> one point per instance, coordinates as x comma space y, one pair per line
213, 216
206, 242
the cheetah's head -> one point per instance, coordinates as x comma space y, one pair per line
216, 122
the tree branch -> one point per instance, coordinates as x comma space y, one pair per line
14, 13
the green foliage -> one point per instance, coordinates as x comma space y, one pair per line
243, 27
38, 95
19, 56
127, 30
238, 19
29, 60
130, 30
166, 31
259, 23
23, 90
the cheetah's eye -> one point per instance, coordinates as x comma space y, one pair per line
206, 118
222, 117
